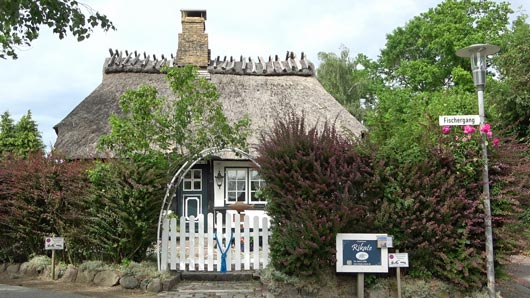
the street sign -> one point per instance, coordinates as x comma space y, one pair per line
459, 120
362, 253
398, 260
54, 243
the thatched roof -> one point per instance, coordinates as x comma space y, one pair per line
263, 93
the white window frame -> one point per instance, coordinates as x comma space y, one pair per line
191, 179
261, 183
187, 198
227, 183
248, 183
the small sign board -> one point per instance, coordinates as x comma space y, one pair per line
459, 120
398, 260
360, 253
54, 243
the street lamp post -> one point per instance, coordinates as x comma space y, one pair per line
478, 54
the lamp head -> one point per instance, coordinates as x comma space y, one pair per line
219, 179
478, 54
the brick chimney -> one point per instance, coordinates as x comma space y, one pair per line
193, 41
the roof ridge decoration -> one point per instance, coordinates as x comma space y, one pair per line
273, 67
133, 62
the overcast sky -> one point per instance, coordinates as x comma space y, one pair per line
53, 76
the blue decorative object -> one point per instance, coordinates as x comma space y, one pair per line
223, 253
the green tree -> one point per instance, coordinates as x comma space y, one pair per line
166, 128
512, 97
21, 138
7, 133
349, 80
21, 20
151, 139
421, 55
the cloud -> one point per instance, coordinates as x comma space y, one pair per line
53, 76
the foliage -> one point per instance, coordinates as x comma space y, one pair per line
21, 21
123, 209
164, 128
410, 116
433, 207
512, 97
151, 139
510, 178
421, 55
314, 188
350, 81
40, 196
22, 138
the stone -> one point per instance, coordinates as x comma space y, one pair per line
107, 278
129, 282
28, 269
70, 275
3, 267
13, 268
144, 283
154, 286
85, 276
170, 283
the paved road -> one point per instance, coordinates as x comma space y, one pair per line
519, 284
7, 291
215, 289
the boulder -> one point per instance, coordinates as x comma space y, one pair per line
107, 278
13, 268
3, 267
129, 282
154, 286
85, 276
144, 283
70, 275
170, 283
28, 269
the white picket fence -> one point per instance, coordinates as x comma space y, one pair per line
189, 248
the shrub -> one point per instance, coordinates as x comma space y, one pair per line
315, 187
434, 209
124, 207
40, 196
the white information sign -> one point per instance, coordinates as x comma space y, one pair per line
362, 253
54, 243
459, 120
398, 260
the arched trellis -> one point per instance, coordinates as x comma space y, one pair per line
179, 176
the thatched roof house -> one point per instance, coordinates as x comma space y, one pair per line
263, 89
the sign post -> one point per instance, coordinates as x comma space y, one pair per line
398, 260
53, 244
360, 253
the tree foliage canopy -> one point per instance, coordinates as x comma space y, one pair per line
421, 55
21, 21
349, 80
21, 138
158, 126
512, 95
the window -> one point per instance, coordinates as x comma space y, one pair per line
256, 183
236, 181
193, 180
242, 185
